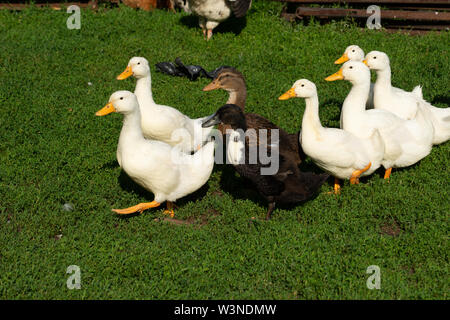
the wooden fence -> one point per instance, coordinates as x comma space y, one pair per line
415, 16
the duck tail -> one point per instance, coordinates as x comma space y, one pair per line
417, 91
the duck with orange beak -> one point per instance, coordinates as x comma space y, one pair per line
355, 53
158, 167
403, 103
233, 81
161, 122
336, 151
406, 141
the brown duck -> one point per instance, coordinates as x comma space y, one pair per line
232, 81
287, 185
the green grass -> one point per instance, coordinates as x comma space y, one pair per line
53, 150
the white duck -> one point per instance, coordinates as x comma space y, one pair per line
212, 12
404, 104
406, 141
160, 122
158, 167
355, 53
336, 151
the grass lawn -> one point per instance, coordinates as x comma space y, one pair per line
53, 150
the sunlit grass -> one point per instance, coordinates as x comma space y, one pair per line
53, 151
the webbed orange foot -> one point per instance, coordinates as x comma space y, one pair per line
337, 187
137, 208
387, 174
169, 209
354, 179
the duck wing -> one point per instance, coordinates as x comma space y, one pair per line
294, 141
267, 185
288, 142
288, 185
240, 7
298, 185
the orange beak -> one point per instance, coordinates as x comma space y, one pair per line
335, 76
127, 73
287, 95
212, 86
342, 59
106, 110
365, 62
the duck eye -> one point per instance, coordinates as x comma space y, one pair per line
351, 67
303, 85
139, 63
121, 98
353, 50
374, 57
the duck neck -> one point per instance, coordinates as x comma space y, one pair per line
355, 102
237, 96
143, 90
131, 128
311, 117
384, 78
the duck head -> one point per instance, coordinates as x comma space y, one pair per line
228, 79
352, 53
377, 60
124, 102
353, 71
137, 67
302, 88
229, 114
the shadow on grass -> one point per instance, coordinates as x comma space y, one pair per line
231, 182
441, 99
232, 24
110, 165
128, 185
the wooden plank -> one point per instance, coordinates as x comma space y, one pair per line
407, 7
410, 32
385, 14
414, 25
415, 2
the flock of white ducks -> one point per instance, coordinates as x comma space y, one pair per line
160, 122
156, 142
172, 155
402, 103
398, 132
